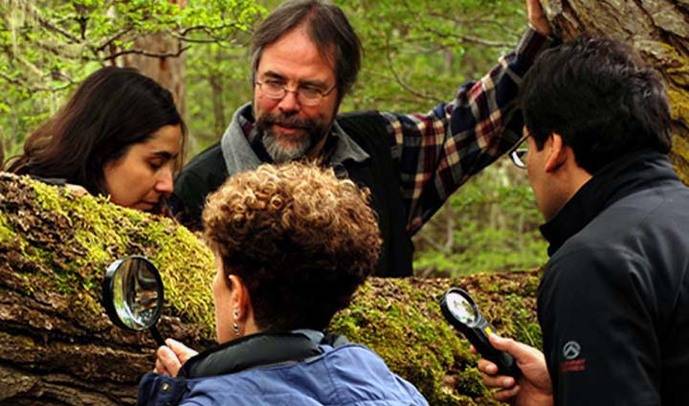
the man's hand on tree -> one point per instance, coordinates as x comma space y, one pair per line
537, 18
532, 388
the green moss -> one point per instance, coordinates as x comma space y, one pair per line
403, 324
49, 198
187, 283
7, 234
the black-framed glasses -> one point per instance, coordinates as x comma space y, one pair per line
306, 95
518, 156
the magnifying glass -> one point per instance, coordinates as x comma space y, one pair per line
133, 295
461, 312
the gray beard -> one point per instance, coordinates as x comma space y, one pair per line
280, 153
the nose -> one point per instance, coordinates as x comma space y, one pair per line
289, 103
164, 183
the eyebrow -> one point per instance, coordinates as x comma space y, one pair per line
164, 155
308, 82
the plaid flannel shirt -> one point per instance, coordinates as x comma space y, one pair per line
437, 152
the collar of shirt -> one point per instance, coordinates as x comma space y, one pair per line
254, 350
620, 178
241, 138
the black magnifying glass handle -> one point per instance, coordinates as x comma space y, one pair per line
156, 336
505, 362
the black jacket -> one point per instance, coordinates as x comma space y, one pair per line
614, 300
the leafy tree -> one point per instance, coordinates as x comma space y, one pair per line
49, 46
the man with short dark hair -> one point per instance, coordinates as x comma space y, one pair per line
613, 303
306, 57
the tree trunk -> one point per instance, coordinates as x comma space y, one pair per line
168, 71
659, 29
58, 347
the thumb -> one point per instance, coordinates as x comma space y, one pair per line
181, 350
521, 352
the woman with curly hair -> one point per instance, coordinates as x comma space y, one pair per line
119, 135
292, 245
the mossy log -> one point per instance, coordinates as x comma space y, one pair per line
658, 29
58, 347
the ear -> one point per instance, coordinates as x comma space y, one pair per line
557, 153
239, 296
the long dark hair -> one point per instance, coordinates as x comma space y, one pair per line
111, 110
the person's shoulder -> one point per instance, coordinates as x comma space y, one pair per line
344, 366
369, 120
369, 129
206, 160
359, 115
206, 170
633, 224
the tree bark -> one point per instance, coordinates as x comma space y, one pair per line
168, 71
658, 29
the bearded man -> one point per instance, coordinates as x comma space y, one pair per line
306, 57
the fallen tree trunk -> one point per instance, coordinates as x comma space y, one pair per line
58, 347
659, 29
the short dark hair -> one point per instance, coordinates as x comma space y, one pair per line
328, 28
600, 97
300, 239
113, 109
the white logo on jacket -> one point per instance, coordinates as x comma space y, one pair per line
571, 350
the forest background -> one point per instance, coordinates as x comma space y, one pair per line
417, 53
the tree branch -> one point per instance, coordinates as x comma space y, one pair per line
142, 52
399, 80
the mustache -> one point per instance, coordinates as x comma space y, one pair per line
286, 121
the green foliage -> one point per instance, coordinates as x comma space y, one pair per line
47, 47
490, 224
417, 52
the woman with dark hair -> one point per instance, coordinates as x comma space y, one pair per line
119, 135
292, 245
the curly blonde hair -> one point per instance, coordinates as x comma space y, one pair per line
300, 239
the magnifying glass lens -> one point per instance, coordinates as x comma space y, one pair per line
461, 308
135, 295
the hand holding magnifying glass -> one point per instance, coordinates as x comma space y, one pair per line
461, 312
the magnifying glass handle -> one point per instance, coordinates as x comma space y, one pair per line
504, 361
506, 364
156, 335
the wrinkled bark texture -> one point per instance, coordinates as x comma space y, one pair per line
658, 29
57, 347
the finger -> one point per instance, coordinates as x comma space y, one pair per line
169, 360
501, 381
507, 394
160, 368
487, 367
521, 352
182, 351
